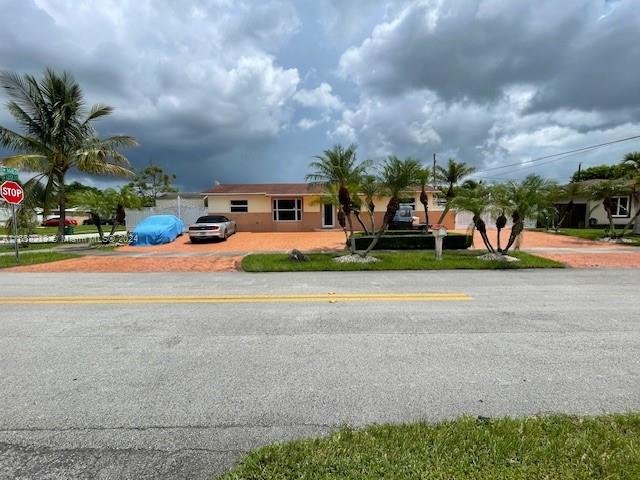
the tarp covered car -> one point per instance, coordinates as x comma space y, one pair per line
157, 229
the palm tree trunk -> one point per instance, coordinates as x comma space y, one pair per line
62, 205
364, 227
373, 222
630, 224
499, 230
375, 239
352, 238
444, 214
98, 221
392, 208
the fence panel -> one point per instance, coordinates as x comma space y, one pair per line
188, 215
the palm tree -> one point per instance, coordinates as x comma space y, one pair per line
451, 175
525, 200
370, 188
99, 205
477, 201
423, 178
571, 191
58, 134
633, 159
635, 194
396, 178
338, 166
125, 198
330, 197
603, 191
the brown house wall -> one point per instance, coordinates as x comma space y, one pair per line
263, 222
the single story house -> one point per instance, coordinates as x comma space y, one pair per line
298, 207
591, 213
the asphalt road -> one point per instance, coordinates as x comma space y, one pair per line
148, 389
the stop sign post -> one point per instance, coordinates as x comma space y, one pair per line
12, 193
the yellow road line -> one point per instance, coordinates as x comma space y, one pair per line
175, 299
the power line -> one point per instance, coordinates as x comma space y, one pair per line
557, 156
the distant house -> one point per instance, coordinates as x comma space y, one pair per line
591, 213
297, 207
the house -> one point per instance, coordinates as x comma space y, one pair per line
591, 213
298, 207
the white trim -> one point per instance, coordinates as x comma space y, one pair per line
617, 215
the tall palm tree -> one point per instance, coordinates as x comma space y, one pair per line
58, 134
604, 191
477, 201
396, 178
451, 176
423, 178
339, 166
370, 188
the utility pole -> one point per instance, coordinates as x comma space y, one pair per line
434, 170
579, 170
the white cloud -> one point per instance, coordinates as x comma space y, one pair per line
320, 97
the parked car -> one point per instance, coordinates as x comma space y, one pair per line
211, 226
55, 221
403, 219
157, 229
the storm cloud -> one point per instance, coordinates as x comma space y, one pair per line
248, 91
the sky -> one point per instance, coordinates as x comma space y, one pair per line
238, 91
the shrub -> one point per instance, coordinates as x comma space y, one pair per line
415, 241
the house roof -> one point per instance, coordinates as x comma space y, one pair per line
270, 189
174, 195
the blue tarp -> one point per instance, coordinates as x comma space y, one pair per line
157, 229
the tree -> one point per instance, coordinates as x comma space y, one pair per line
123, 199
604, 191
396, 176
371, 189
151, 182
75, 186
524, 200
571, 191
477, 201
450, 176
330, 197
58, 134
98, 204
423, 177
602, 172
338, 166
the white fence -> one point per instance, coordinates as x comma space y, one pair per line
188, 215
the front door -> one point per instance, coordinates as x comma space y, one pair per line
328, 215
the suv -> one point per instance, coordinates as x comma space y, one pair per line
403, 219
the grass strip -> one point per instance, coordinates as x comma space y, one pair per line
423, 260
553, 447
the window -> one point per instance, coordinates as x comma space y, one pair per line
239, 206
620, 206
411, 202
287, 210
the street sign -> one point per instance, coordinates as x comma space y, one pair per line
12, 193
8, 173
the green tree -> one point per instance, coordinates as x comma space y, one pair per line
451, 175
571, 191
151, 182
99, 205
58, 134
370, 189
603, 172
604, 191
338, 166
125, 198
396, 177
423, 177
478, 201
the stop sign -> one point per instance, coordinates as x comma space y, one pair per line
12, 192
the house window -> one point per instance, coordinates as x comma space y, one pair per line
239, 206
620, 206
287, 210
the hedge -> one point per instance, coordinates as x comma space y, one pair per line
405, 241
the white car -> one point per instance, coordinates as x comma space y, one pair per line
211, 226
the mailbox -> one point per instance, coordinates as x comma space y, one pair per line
439, 232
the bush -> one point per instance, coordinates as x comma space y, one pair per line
414, 241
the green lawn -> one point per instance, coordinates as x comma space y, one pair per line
540, 448
592, 234
77, 229
414, 260
32, 258
32, 246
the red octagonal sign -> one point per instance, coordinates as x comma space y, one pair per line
12, 192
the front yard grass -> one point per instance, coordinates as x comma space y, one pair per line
414, 260
554, 447
7, 261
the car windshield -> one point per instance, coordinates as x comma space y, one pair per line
212, 219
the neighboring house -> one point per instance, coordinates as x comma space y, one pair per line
70, 213
297, 207
187, 206
591, 213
